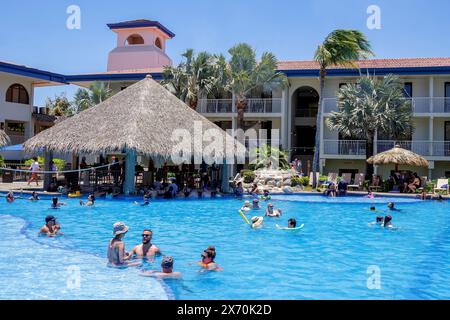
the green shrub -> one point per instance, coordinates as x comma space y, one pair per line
2, 163
248, 175
296, 181
60, 163
305, 181
170, 175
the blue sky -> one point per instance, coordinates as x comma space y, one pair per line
34, 32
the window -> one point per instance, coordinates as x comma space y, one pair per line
15, 128
134, 39
408, 89
158, 43
17, 94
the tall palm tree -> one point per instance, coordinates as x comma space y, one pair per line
192, 78
372, 106
59, 106
247, 74
97, 93
340, 48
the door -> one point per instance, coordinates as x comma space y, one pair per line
306, 137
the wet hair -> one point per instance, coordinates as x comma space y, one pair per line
54, 200
292, 222
167, 262
379, 219
210, 252
387, 219
391, 205
372, 208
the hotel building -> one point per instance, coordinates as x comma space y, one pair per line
141, 50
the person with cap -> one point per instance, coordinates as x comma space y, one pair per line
146, 249
117, 255
257, 222
270, 212
246, 206
167, 270
51, 228
256, 204
392, 207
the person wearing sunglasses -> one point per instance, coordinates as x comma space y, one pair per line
208, 257
146, 249
271, 212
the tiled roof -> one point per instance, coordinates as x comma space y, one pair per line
371, 63
141, 23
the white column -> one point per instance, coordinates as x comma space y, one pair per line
431, 134
322, 128
431, 93
289, 123
284, 106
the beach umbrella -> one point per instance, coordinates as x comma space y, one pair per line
398, 156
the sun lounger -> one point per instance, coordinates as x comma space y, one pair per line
332, 177
347, 178
358, 183
311, 178
441, 185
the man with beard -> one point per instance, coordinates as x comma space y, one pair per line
147, 249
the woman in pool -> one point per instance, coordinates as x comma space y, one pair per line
116, 249
270, 212
90, 201
10, 197
208, 257
370, 195
167, 270
34, 196
56, 204
51, 228
255, 204
246, 206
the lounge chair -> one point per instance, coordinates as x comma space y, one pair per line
441, 185
311, 178
423, 183
332, 177
358, 183
375, 185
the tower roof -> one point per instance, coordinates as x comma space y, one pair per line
141, 23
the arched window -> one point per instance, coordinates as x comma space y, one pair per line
158, 43
17, 94
134, 39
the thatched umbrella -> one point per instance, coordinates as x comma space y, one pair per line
139, 119
4, 139
398, 156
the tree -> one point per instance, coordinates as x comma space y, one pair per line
340, 48
59, 106
372, 106
266, 156
192, 78
247, 74
97, 93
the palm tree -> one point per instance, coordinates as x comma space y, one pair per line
192, 78
247, 74
266, 156
372, 106
340, 48
97, 93
59, 106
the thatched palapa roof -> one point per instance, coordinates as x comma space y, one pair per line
141, 117
398, 156
4, 139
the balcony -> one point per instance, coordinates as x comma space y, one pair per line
420, 105
221, 106
16, 139
344, 147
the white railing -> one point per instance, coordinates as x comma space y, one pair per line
420, 105
215, 106
440, 148
269, 105
16, 139
344, 147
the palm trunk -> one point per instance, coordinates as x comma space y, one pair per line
241, 104
315, 164
369, 153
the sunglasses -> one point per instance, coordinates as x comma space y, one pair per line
146, 235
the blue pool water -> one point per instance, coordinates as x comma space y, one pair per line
328, 259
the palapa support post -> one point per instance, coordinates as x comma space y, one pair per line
130, 163
225, 187
48, 156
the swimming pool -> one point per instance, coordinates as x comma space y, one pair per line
328, 259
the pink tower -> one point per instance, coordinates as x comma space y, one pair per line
141, 44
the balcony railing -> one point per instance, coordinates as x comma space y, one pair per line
420, 105
424, 148
344, 147
270, 105
215, 106
16, 139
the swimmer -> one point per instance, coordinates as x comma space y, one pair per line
146, 201
257, 222
271, 212
90, 201
256, 204
370, 195
292, 223
10, 197
391, 207
146, 248
387, 223
34, 196
56, 204
266, 194
378, 221
246, 206
373, 209
51, 228
208, 257
116, 248
167, 270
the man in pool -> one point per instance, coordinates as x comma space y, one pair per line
146, 201
34, 196
167, 270
379, 221
50, 228
391, 207
146, 249
255, 204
